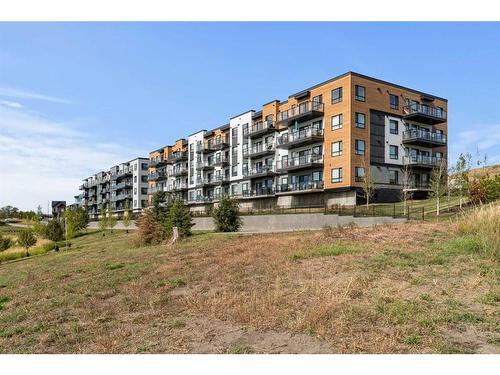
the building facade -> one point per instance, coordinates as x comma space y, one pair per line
122, 186
315, 148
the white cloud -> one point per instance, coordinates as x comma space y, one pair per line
484, 139
22, 94
11, 104
43, 160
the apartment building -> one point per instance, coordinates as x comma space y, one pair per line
314, 148
123, 184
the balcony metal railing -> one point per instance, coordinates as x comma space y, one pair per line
263, 191
260, 127
259, 149
309, 160
121, 185
311, 185
157, 162
429, 161
179, 171
205, 165
419, 134
256, 171
121, 172
178, 155
221, 178
179, 185
222, 160
299, 136
303, 108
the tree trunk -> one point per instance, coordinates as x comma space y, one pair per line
437, 206
26, 252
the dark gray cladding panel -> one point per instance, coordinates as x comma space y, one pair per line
377, 137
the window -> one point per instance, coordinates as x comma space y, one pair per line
144, 166
337, 148
144, 178
318, 99
360, 120
438, 155
234, 170
394, 152
337, 122
360, 93
359, 174
336, 175
135, 203
135, 167
191, 195
359, 146
394, 101
393, 177
337, 95
393, 126
144, 191
317, 176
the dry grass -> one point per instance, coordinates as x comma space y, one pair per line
413, 288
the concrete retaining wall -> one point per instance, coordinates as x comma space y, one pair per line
286, 223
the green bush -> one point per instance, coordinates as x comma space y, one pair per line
160, 206
227, 215
179, 216
54, 230
26, 239
5, 242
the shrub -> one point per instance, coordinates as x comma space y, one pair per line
76, 221
149, 232
54, 230
5, 242
160, 206
179, 216
227, 215
26, 239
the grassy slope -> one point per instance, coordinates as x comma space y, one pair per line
412, 288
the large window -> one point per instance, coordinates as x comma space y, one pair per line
360, 93
359, 146
336, 175
337, 121
359, 174
393, 177
337, 95
394, 101
360, 120
393, 152
393, 126
337, 148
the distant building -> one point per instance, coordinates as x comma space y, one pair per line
58, 208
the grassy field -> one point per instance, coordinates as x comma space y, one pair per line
411, 288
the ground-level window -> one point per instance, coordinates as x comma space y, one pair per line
393, 177
336, 175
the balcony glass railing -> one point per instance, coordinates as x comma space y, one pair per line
419, 134
425, 110
310, 185
259, 170
258, 192
258, 127
261, 148
430, 161
300, 135
299, 161
302, 109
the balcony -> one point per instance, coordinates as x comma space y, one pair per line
210, 181
176, 172
179, 186
221, 179
161, 161
424, 114
199, 182
201, 199
303, 112
260, 171
259, 129
420, 161
418, 185
178, 156
423, 138
300, 162
204, 165
305, 187
256, 193
259, 150
155, 176
221, 161
121, 173
120, 197
122, 185
301, 137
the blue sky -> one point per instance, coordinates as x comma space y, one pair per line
76, 98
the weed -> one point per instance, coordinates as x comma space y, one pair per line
239, 350
3, 301
176, 323
326, 251
490, 298
114, 266
412, 339
176, 282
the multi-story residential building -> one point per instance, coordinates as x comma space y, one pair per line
316, 147
122, 184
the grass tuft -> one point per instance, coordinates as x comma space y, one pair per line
177, 282
114, 266
327, 250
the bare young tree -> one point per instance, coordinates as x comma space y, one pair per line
367, 184
406, 190
460, 171
438, 183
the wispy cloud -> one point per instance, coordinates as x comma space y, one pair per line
11, 104
10, 92
484, 139
45, 160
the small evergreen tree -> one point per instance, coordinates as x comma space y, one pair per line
54, 230
26, 239
126, 215
149, 231
179, 216
160, 206
227, 215
5, 242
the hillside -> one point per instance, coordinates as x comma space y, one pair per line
412, 288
